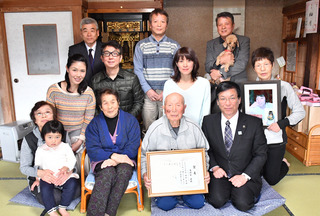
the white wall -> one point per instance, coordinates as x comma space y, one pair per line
32, 88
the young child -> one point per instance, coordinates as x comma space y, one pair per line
57, 157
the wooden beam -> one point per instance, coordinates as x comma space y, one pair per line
6, 93
294, 9
124, 7
141, 10
41, 3
77, 15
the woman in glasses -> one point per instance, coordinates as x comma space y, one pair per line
41, 113
113, 77
277, 166
75, 103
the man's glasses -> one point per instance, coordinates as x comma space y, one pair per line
224, 100
107, 54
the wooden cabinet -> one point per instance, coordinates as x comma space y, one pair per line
305, 147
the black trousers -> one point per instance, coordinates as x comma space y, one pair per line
56, 193
111, 183
275, 169
243, 198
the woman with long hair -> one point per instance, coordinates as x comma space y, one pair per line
75, 102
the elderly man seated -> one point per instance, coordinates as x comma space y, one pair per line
173, 131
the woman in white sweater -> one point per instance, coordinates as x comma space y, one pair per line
195, 89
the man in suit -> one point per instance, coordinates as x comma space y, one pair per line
90, 47
238, 151
240, 56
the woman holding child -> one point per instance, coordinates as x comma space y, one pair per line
195, 89
41, 113
113, 139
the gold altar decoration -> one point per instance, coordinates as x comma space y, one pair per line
124, 26
127, 40
127, 34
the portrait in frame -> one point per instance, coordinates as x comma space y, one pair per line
262, 99
177, 172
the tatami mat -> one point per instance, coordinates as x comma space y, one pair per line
302, 194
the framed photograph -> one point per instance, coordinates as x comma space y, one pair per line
262, 99
178, 172
291, 56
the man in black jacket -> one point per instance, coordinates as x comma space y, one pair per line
113, 77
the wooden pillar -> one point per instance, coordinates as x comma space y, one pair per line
6, 94
311, 61
77, 15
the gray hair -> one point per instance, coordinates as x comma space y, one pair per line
88, 20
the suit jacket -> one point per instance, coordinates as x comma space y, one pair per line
98, 65
248, 153
241, 56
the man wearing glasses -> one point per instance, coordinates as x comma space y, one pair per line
113, 77
238, 151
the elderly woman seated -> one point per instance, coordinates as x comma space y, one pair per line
113, 139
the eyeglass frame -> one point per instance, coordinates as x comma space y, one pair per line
114, 53
46, 114
230, 99
260, 66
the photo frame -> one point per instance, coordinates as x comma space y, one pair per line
263, 100
177, 172
291, 56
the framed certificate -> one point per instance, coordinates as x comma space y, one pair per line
178, 172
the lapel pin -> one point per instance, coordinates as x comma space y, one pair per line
243, 126
239, 133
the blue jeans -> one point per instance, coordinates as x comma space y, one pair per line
67, 195
195, 201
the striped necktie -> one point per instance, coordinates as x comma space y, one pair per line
228, 137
